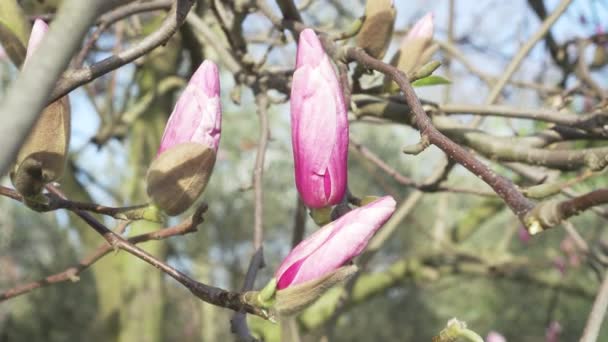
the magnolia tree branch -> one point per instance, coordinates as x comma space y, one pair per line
107, 19
136, 212
590, 121
258, 171
239, 321
213, 295
72, 273
597, 314
551, 213
406, 181
28, 95
518, 203
75, 78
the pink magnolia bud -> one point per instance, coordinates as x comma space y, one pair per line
423, 29
523, 235
197, 116
334, 245
319, 126
493, 336
416, 47
188, 148
553, 331
39, 29
43, 155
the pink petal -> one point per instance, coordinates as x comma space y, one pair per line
422, 29
310, 50
197, 116
319, 126
39, 29
336, 243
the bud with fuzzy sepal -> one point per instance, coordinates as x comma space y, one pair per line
43, 156
187, 153
416, 48
377, 30
319, 126
322, 260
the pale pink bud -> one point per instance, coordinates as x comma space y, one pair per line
553, 331
197, 116
422, 29
188, 149
416, 47
493, 336
523, 235
39, 29
319, 126
332, 246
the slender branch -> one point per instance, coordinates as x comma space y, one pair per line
406, 181
75, 78
547, 115
28, 95
258, 170
519, 204
208, 37
597, 314
107, 19
299, 222
213, 295
238, 323
523, 52
72, 273
551, 213
135, 212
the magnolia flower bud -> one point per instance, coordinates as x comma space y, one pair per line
188, 148
377, 29
319, 126
416, 49
43, 156
318, 262
296, 298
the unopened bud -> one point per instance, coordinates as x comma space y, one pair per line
377, 30
296, 298
43, 156
179, 175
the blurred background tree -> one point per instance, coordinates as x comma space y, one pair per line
452, 249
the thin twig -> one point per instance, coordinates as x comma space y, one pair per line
55, 202
72, 273
597, 314
28, 95
213, 295
75, 78
522, 53
299, 222
519, 204
551, 213
406, 181
238, 323
258, 170
107, 19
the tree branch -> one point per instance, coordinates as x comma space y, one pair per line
28, 95
501, 185
75, 78
597, 314
551, 213
72, 273
213, 295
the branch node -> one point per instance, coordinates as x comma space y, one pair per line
419, 147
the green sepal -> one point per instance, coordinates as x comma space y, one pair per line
321, 216
430, 81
